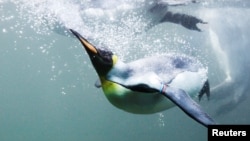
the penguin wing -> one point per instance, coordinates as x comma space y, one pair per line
98, 83
187, 104
187, 21
151, 83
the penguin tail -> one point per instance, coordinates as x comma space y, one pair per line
205, 90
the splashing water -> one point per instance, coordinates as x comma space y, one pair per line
115, 25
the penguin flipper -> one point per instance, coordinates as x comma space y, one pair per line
98, 84
187, 104
187, 21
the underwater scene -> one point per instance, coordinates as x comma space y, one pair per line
50, 90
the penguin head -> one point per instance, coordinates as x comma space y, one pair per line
102, 59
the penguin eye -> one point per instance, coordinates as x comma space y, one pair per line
94, 57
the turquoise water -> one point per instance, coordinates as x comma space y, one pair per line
47, 90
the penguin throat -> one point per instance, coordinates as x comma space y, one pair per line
103, 67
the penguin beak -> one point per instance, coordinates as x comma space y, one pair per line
101, 59
89, 47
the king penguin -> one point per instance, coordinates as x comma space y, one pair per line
151, 85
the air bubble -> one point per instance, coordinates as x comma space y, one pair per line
161, 120
4, 30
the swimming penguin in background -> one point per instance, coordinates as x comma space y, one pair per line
147, 13
151, 85
160, 13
